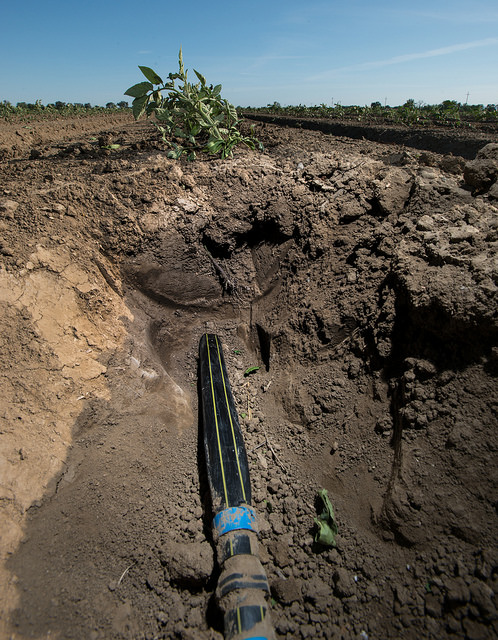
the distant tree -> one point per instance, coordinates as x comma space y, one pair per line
410, 103
110, 105
450, 105
88, 105
276, 106
376, 105
123, 104
60, 105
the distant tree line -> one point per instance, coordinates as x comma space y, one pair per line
28, 110
448, 112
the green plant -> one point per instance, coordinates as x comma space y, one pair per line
327, 525
192, 117
250, 370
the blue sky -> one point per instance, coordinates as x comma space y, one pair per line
306, 52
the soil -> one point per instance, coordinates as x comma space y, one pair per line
361, 278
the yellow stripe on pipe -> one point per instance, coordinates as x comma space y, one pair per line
216, 423
231, 423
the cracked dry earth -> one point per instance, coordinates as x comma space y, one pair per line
360, 277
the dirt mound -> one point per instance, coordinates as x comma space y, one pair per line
361, 278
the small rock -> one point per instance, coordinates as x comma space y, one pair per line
474, 630
432, 606
58, 208
493, 192
372, 591
344, 584
8, 207
283, 625
402, 595
6, 251
460, 234
280, 551
489, 152
274, 486
424, 368
481, 174
457, 593
352, 276
188, 181
482, 596
428, 174
162, 617
454, 625
187, 205
427, 159
319, 592
195, 619
425, 223
276, 523
286, 590
452, 164
188, 564
290, 505
175, 173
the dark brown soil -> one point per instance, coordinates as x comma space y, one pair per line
361, 277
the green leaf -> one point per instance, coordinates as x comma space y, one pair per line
327, 526
250, 370
151, 107
217, 90
150, 75
163, 114
325, 536
213, 148
201, 77
138, 106
139, 90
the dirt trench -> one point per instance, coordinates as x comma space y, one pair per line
360, 278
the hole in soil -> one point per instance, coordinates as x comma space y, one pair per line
264, 345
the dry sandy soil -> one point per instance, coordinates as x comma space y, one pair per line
361, 277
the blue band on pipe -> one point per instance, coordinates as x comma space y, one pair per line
235, 518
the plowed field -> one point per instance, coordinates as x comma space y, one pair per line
360, 276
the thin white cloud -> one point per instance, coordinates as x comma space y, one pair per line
443, 51
463, 17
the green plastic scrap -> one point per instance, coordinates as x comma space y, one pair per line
327, 526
